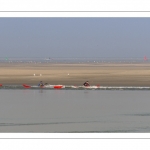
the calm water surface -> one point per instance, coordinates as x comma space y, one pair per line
50, 111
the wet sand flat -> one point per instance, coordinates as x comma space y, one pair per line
75, 74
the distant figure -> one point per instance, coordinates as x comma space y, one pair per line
41, 84
145, 58
86, 83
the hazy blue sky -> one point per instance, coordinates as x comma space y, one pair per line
74, 37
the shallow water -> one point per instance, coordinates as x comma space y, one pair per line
50, 111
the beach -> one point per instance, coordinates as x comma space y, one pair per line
103, 74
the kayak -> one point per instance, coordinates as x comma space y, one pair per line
86, 87
54, 86
26, 86
45, 86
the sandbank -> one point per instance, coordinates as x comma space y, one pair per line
75, 74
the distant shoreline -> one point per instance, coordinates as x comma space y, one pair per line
105, 74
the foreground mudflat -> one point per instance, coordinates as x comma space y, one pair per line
75, 111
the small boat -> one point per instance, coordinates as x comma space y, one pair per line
54, 86
26, 86
44, 86
86, 87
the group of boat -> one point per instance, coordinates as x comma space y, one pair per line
59, 86
49, 86
26, 86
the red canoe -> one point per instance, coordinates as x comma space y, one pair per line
58, 86
26, 86
51, 86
